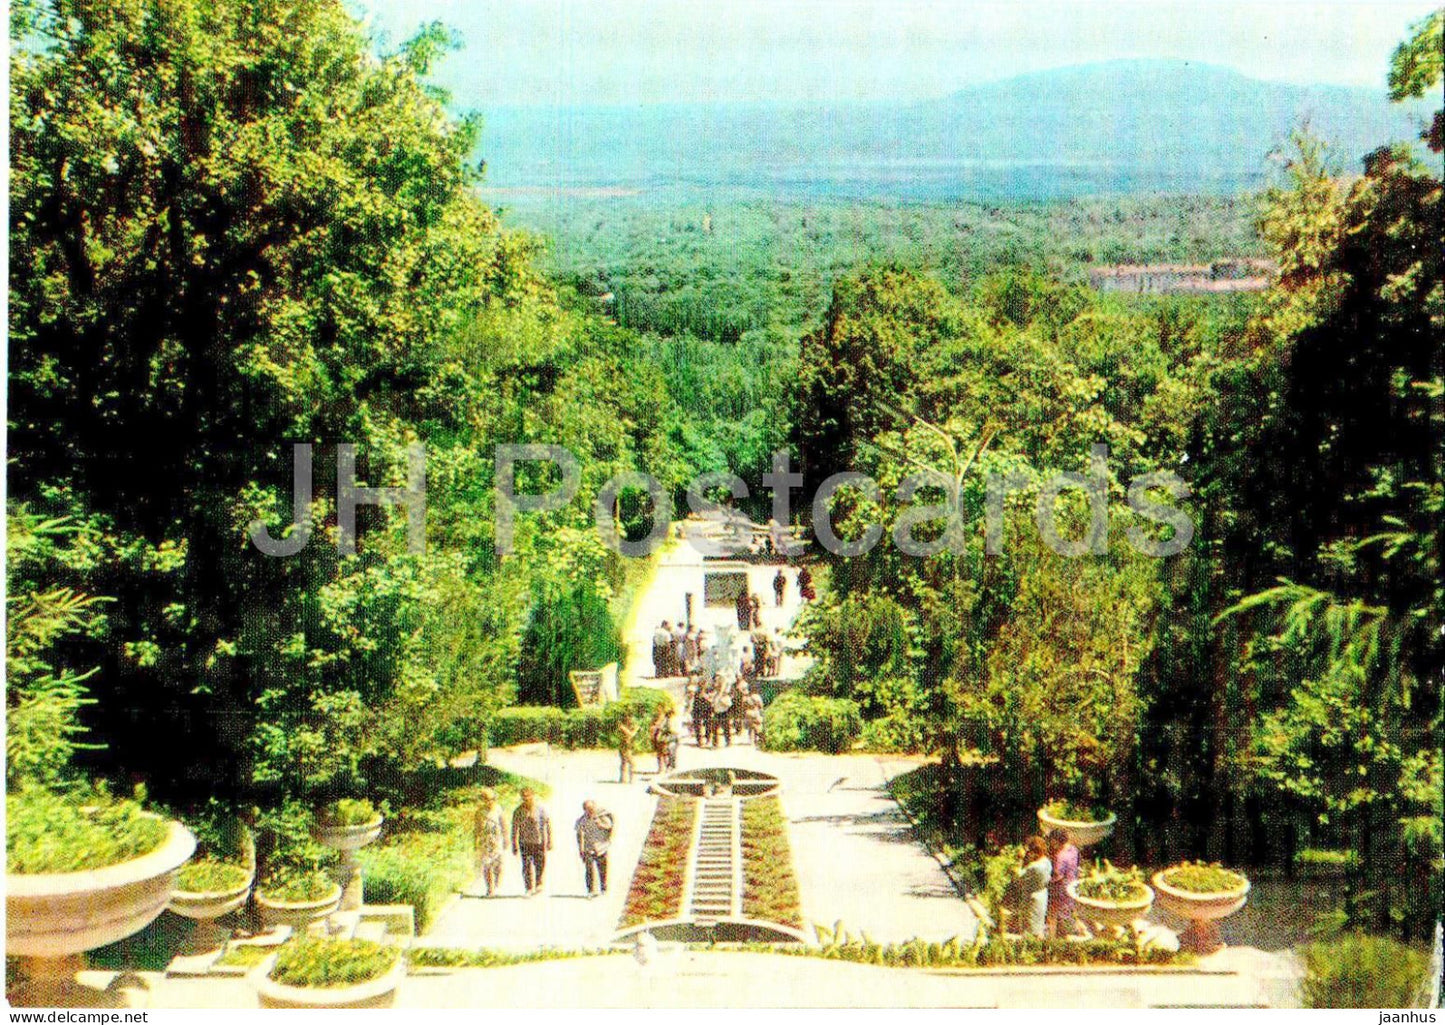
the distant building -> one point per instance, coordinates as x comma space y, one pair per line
1245, 275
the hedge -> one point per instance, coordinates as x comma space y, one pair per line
799, 722
575, 727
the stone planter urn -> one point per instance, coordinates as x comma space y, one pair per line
347, 840
296, 913
1115, 916
205, 907
1081, 834
211, 904
1202, 911
52, 918
378, 992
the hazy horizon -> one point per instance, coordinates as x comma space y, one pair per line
564, 53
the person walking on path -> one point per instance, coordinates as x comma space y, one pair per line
780, 586
531, 839
701, 713
1060, 918
721, 721
679, 650
662, 651
753, 715
489, 840
690, 651
660, 734
757, 604
744, 609
626, 735
594, 837
805, 585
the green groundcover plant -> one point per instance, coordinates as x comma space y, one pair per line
347, 812
1197, 877
330, 964
49, 832
1359, 970
1074, 811
292, 885
211, 875
1106, 882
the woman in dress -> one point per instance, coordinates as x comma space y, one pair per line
489, 839
1026, 898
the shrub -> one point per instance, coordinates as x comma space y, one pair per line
292, 885
575, 727
1201, 878
422, 867
208, 875
50, 832
798, 722
323, 963
1364, 971
1326, 860
900, 732
347, 812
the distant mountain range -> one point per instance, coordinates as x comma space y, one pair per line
1118, 127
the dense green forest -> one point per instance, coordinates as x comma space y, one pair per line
236, 226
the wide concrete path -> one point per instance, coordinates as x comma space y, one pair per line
855, 855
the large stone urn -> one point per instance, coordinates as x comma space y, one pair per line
347, 840
1202, 911
204, 907
1110, 916
1081, 834
51, 918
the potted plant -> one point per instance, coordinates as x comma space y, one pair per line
296, 896
1107, 897
82, 872
207, 888
327, 973
348, 825
1201, 894
1085, 824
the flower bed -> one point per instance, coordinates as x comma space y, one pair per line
770, 889
656, 891
208, 875
1023, 952
332, 963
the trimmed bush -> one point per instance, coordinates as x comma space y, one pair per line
574, 727
798, 722
1364, 971
422, 866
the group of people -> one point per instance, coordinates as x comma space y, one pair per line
677, 649
1037, 898
722, 708
530, 837
662, 734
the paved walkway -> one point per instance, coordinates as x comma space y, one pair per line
854, 852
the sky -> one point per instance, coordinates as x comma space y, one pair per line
568, 52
